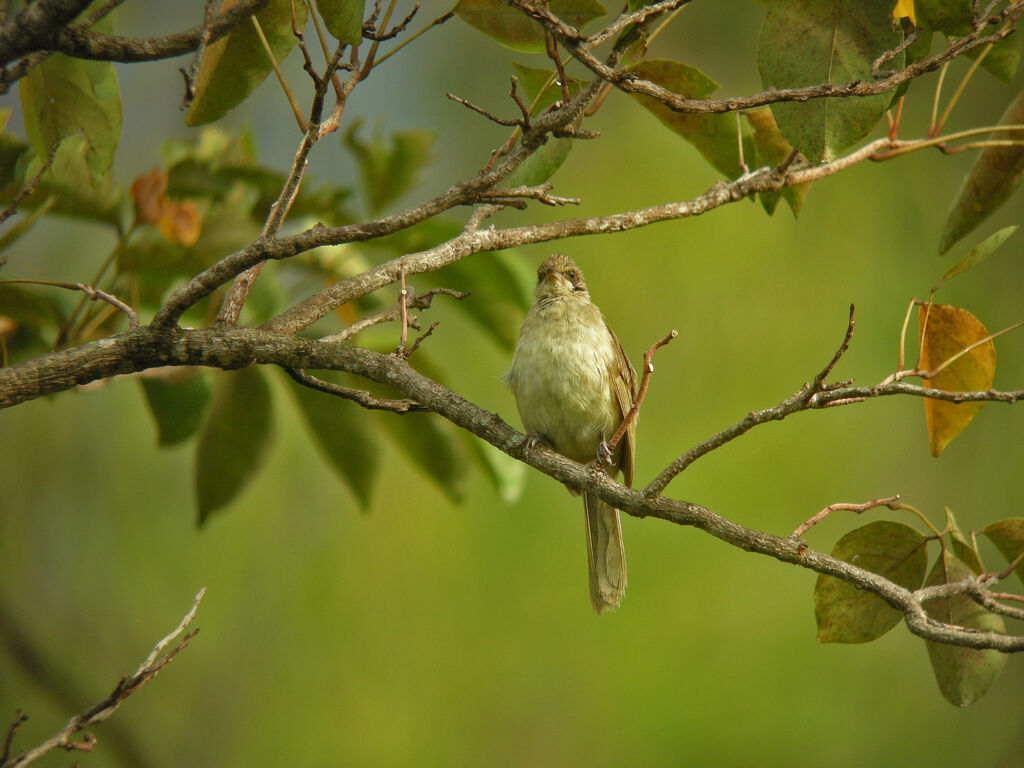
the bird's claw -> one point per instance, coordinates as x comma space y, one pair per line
604, 454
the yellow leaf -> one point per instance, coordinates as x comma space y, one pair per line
180, 222
944, 332
904, 10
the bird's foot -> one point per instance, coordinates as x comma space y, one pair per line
604, 454
534, 439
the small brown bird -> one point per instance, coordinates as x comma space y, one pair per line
573, 387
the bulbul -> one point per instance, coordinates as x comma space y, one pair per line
573, 387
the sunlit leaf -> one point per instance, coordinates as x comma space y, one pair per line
343, 19
772, 148
63, 97
388, 169
946, 331
846, 614
234, 438
1008, 536
343, 431
514, 29
964, 674
993, 177
981, 251
177, 402
180, 222
962, 547
714, 136
808, 42
233, 66
904, 9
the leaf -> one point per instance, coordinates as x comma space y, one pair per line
177, 402
962, 548
904, 9
514, 29
808, 42
63, 97
70, 181
964, 674
953, 17
714, 136
846, 614
1008, 536
541, 87
342, 431
772, 148
507, 475
1002, 58
233, 440
993, 177
981, 251
388, 171
946, 332
343, 19
427, 446
233, 66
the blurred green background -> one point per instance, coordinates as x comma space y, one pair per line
427, 633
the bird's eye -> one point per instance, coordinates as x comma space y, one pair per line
572, 275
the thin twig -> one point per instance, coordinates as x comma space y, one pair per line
91, 293
891, 502
125, 688
360, 396
819, 380
419, 301
300, 119
403, 311
407, 353
29, 188
191, 73
645, 378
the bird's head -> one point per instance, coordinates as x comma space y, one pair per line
559, 276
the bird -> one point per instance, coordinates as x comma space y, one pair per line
573, 386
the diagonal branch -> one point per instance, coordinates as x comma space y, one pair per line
148, 669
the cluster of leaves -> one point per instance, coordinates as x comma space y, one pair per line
899, 552
205, 198
954, 339
802, 43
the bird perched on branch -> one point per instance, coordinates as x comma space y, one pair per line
573, 387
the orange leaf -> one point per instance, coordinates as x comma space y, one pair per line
180, 222
149, 191
944, 332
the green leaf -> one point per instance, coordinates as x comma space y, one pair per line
177, 402
1002, 58
233, 66
342, 431
993, 177
63, 97
964, 674
981, 251
541, 87
808, 42
507, 475
343, 19
430, 448
541, 165
714, 136
846, 614
962, 548
72, 183
1008, 536
234, 438
388, 169
514, 29
953, 17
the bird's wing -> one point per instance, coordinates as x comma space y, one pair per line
623, 381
